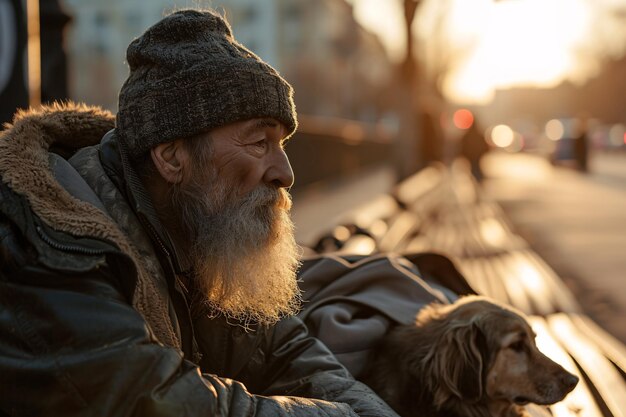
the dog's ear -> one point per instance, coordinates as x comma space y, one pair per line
463, 360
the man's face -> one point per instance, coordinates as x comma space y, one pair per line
234, 208
250, 154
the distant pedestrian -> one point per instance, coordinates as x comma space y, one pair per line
581, 145
473, 148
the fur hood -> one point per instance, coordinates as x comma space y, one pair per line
24, 167
24, 164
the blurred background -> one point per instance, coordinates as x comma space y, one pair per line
399, 82
531, 93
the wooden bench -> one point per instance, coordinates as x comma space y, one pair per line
443, 210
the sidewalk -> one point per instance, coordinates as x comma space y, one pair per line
575, 222
324, 206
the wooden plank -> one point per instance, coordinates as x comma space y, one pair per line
563, 297
474, 243
482, 280
412, 188
610, 346
401, 227
606, 379
496, 287
359, 245
537, 283
441, 237
430, 202
419, 243
580, 402
473, 277
516, 290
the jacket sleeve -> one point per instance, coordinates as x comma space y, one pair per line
301, 365
71, 346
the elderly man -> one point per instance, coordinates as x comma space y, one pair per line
151, 272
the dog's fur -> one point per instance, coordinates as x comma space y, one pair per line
473, 358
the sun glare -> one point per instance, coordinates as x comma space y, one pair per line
385, 19
530, 42
491, 45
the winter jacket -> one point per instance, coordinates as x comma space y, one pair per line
94, 320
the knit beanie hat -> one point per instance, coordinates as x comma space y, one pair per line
189, 75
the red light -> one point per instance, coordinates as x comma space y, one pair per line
463, 119
624, 138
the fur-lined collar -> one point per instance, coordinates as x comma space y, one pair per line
24, 167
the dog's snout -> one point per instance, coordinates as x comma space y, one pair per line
568, 381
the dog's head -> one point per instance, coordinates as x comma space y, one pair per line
487, 353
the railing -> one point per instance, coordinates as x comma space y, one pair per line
331, 148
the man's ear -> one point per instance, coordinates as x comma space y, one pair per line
171, 160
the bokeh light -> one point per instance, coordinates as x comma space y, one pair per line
463, 119
502, 136
555, 129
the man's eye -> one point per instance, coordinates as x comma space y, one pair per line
260, 143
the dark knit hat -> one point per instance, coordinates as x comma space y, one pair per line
189, 75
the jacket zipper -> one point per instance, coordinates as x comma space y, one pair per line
146, 223
66, 247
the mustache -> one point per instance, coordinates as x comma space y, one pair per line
267, 196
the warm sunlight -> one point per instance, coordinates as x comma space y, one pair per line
385, 19
489, 44
529, 42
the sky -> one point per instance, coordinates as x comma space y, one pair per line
499, 44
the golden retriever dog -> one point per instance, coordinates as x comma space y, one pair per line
473, 358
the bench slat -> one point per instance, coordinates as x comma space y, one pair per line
580, 399
563, 297
605, 377
612, 348
511, 279
497, 289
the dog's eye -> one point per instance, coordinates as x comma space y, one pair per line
518, 346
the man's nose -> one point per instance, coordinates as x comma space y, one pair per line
279, 172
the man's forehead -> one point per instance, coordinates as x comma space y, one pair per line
246, 129
262, 123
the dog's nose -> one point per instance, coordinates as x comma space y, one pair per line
568, 381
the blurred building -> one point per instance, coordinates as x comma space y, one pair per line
337, 68
97, 41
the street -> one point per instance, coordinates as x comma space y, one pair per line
575, 221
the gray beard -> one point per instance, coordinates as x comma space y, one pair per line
243, 250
